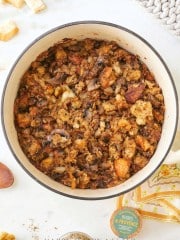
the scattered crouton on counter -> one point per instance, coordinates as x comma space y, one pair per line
8, 30
15, 3
7, 236
36, 5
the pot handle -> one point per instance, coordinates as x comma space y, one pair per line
173, 156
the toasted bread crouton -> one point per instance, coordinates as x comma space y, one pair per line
6, 236
122, 167
8, 30
16, 3
36, 5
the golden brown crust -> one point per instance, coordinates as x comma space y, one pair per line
88, 113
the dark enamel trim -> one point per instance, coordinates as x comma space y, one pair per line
79, 23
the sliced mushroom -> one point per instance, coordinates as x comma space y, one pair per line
58, 79
61, 132
92, 85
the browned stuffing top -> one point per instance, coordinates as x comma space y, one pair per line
88, 113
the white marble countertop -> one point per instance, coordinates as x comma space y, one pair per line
29, 210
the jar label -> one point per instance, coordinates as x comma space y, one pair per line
126, 222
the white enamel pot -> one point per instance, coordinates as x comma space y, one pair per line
131, 42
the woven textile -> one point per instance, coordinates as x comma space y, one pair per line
168, 11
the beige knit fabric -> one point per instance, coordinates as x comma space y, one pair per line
168, 11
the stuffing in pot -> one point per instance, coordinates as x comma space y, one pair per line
88, 113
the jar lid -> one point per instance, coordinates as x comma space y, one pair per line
126, 222
76, 236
